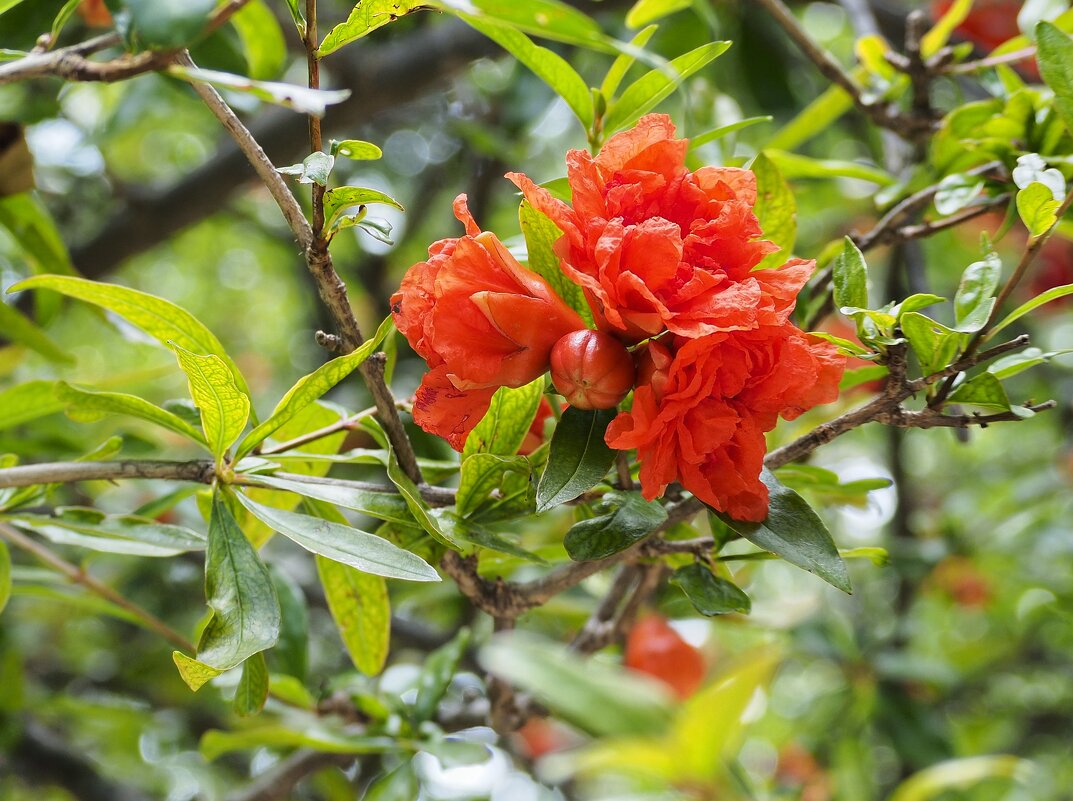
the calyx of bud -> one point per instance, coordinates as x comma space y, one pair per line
591, 369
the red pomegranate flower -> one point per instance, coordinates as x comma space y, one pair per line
656, 246
481, 320
702, 417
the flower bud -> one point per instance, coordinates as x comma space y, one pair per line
591, 369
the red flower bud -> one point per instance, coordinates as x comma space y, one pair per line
591, 369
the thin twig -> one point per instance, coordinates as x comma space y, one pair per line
277, 783
1035, 245
330, 287
81, 577
991, 61
346, 424
199, 471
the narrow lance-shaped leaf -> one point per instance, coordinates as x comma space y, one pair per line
311, 387
710, 594
481, 473
366, 17
850, 277
245, 612
381, 505
5, 575
579, 458
622, 63
297, 98
351, 546
776, 209
541, 234
24, 402
361, 610
1031, 305
121, 534
437, 673
795, 532
223, 406
503, 428
646, 11
159, 318
252, 690
629, 519
1055, 57
84, 404
22, 330
646, 92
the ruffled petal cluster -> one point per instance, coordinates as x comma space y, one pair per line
657, 247
666, 257
702, 416
481, 321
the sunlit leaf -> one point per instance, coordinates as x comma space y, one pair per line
223, 406
359, 605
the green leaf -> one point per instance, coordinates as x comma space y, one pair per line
1037, 208
982, 390
510, 414
245, 612
850, 276
5, 575
650, 89
710, 594
36, 234
121, 534
316, 168
977, 287
223, 406
935, 39
481, 473
7, 5
88, 405
934, 344
356, 150
709, 726
846, 346
622, 63
314, 735
195, 674
597, 697
252, 690
645, 11
776, 209
262, 40
338, 200
420, 510
20, 329
1055, 57
311, 387
366, 17
625, 518
940, 779
725, 130
359, 549
861, 375
291, 654
166, 24
793, 531
437, 673
159, 318
547, 65
549, 19
818, 116
956, 192
921, 300
24, 402
541, 234
579, 458
1030, 305
295, 7
794, 165
361, 610
1013, 364
381, 505
297, 98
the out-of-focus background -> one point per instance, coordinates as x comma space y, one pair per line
961, 646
